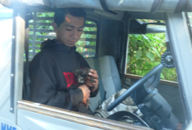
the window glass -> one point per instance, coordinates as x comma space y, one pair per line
144, 53
41, 29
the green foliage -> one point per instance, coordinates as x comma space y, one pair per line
45, 14
145, 53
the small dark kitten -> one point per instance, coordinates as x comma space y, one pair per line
82, 74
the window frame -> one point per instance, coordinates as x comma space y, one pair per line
178, 21
167, 82
137, 77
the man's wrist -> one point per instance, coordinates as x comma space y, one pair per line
94, 88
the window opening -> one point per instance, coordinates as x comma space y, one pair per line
40, 29
144, 53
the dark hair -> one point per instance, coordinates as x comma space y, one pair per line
59, 16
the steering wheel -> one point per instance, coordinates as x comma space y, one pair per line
166, 61
134, 87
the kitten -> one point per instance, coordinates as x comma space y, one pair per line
81, 74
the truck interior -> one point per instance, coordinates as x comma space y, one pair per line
104, 44
109, 49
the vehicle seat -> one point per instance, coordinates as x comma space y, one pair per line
109, 79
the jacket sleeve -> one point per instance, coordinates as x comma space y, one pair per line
43, 86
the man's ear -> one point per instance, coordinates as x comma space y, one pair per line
55, 27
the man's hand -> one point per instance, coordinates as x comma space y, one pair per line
86, 94
89, 83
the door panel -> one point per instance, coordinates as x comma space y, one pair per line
28, 120
42, 117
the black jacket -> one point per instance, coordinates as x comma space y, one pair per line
52, 79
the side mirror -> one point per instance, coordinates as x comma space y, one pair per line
143, 28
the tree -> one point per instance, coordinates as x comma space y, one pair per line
144, 53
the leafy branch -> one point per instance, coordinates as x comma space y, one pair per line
144, 53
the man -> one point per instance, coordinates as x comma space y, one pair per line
51, 71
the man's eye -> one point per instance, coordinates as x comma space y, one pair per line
68, 29
80, 30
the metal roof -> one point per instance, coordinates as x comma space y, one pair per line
110, 5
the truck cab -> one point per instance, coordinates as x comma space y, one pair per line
114, 33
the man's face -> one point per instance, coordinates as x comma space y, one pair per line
69, 32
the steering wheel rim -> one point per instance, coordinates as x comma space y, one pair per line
134, 87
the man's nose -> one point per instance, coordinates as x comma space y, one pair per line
75, 34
